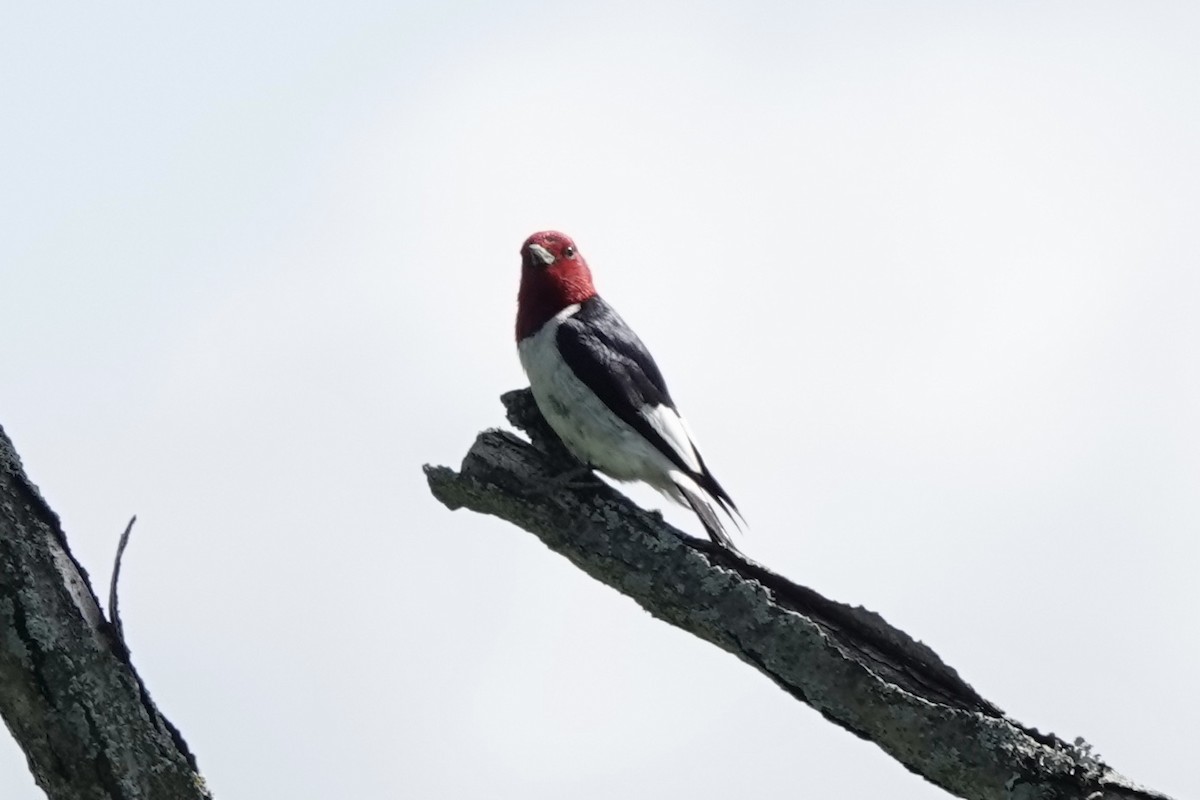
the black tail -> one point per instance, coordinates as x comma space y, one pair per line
708, 515
704, 478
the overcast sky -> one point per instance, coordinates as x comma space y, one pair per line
923, 277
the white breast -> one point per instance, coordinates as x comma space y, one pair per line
587, 427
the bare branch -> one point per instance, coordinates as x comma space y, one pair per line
846, 662
68, 691
113, 611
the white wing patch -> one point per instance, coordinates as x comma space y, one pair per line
672, 429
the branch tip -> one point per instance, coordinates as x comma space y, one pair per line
113, 611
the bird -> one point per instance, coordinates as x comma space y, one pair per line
600, 389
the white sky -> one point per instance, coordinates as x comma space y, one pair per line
922, 276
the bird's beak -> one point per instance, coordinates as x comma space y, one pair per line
541, 254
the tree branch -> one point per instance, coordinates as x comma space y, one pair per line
846, 662
114, 610
68, 691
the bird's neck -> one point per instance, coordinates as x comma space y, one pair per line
539, 301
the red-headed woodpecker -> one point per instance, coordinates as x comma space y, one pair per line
599, 388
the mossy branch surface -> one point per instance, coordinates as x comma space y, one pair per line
68, 690
846, 662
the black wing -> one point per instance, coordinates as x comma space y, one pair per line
611, 360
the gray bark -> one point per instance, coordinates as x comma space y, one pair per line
68, 691
846, 662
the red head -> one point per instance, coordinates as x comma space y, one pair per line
553, 276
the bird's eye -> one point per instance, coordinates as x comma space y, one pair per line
568, 251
